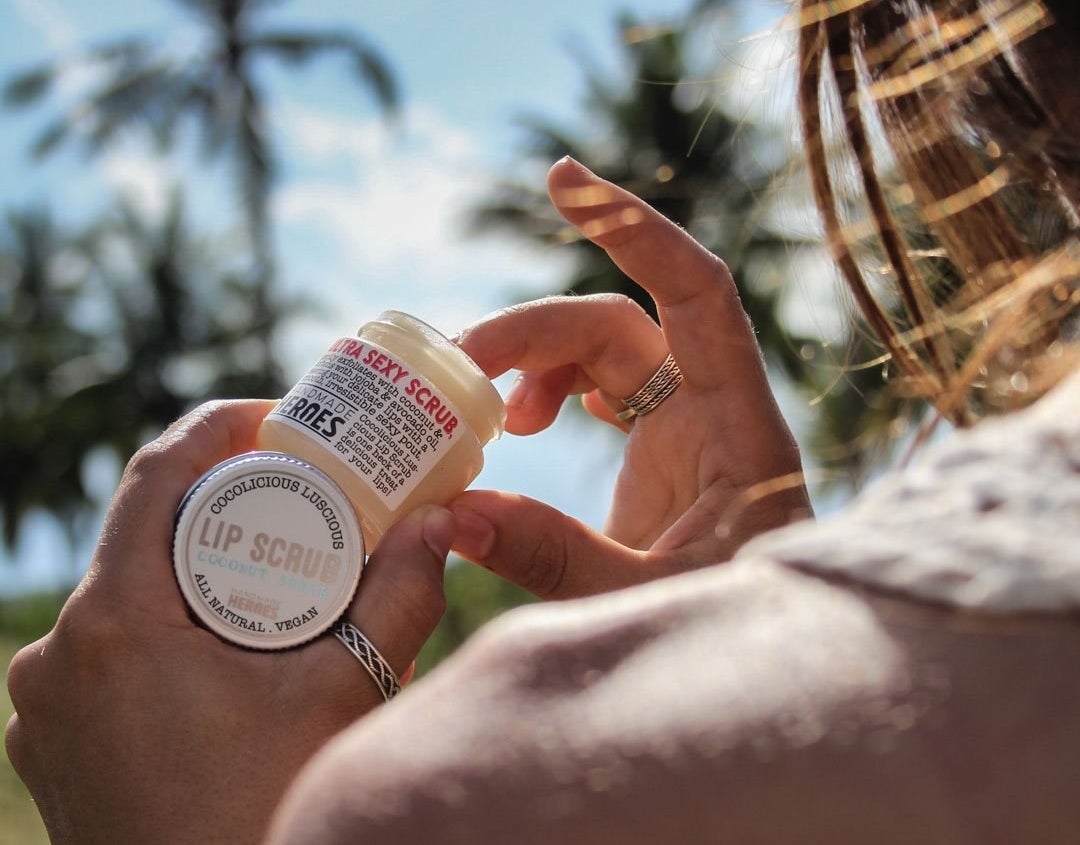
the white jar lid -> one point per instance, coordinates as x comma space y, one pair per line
267, 550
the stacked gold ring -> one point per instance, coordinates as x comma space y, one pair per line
659, 387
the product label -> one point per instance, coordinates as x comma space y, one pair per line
389, 424
266, 553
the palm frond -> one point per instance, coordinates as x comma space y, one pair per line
30, 86
302, 47
131, 51
144, 97
55, 134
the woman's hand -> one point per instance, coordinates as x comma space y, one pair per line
133, 724
711, 467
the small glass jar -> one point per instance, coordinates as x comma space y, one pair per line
397, 416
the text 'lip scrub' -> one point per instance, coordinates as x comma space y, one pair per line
267, 550
398, 416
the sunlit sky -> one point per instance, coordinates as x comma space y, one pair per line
366, 219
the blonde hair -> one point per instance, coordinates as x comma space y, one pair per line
959, 243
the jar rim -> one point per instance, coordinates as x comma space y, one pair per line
464, 369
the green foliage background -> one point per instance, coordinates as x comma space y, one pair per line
20, 823
22, 620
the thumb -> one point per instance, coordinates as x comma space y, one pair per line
541, 549
400, 598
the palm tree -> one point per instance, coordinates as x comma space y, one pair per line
178, 324
173, 324
145, 86
105, 338
37, 336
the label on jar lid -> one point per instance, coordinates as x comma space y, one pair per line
389, 424
267, 550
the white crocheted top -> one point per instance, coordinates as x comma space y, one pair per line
988, 521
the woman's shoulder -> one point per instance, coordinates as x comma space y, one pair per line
987, 521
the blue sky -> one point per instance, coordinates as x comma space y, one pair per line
367, 220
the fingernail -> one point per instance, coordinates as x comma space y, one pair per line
475, 535
438, 531
519, 392
573, 162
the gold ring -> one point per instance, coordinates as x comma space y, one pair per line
659, 387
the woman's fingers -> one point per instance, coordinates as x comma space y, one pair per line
602, 408
536, 397
704, 325
400, 598
541, 549
706, 328
565, 345
612, 340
